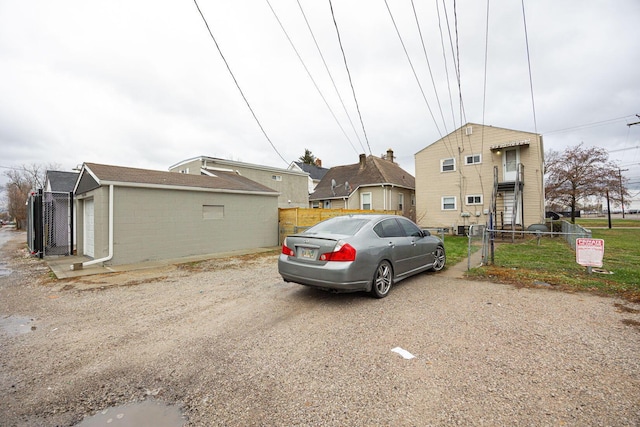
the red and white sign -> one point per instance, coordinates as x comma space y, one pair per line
589, 252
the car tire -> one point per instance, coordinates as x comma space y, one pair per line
382, 280
440, 259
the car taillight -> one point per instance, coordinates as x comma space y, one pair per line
342, 252
286, 249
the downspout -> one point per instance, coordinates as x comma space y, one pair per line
110, 255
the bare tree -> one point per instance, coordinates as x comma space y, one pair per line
579, 172
23, 180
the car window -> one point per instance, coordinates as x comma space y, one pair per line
388, 228
410, 228
346, 226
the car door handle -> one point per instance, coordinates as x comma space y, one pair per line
392, 245
413, 242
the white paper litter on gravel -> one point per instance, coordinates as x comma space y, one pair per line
402, 352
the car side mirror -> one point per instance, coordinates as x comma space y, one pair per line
426, 233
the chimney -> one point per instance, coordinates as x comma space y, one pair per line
390, 155
319, 163
363, 161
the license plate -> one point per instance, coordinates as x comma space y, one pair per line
307, 253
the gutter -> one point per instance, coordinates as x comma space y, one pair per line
80, 266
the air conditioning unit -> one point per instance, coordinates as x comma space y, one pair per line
468, 130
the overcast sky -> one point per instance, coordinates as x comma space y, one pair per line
141, 83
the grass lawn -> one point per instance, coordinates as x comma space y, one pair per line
553, 263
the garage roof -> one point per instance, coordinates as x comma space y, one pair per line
94, 175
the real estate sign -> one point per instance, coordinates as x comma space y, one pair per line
589, 252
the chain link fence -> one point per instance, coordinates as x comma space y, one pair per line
485, 239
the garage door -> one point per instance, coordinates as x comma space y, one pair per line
89, 233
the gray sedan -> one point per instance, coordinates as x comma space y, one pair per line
360, 253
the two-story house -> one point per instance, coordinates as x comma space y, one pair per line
477, 173
374, 183
291, 184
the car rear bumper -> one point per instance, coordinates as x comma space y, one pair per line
334, 276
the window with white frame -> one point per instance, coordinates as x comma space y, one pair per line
448, 165
276, 177
327, 204
365, 201
400, 202
474, 199
449, 203
473, 159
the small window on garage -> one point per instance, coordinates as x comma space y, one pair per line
276, 177
212, 211
449, 203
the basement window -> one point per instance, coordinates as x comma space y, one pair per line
212, 211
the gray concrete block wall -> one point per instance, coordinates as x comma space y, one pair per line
152, 224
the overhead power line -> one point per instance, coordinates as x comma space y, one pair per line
526, 38
237, 84
330, 76
309, 74
588, 125
344, 58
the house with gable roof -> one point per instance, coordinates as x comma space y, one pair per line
316, 172
374, 183
129, 215
292, 185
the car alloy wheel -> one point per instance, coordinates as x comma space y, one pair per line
440, 259
382, 280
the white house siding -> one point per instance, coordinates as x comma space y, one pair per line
153, 224
432, 184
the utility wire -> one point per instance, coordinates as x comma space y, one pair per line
426, 57
446, 70
526, 38
412, 67
330, 77
588, 125
238, 85
310, 76
344, 58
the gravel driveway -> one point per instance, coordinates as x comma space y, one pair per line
231, 344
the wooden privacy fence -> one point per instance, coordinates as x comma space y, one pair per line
295, 220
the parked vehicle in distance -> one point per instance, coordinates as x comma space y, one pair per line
360, 253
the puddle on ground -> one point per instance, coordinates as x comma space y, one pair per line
16, 325
145, 413
4, 271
